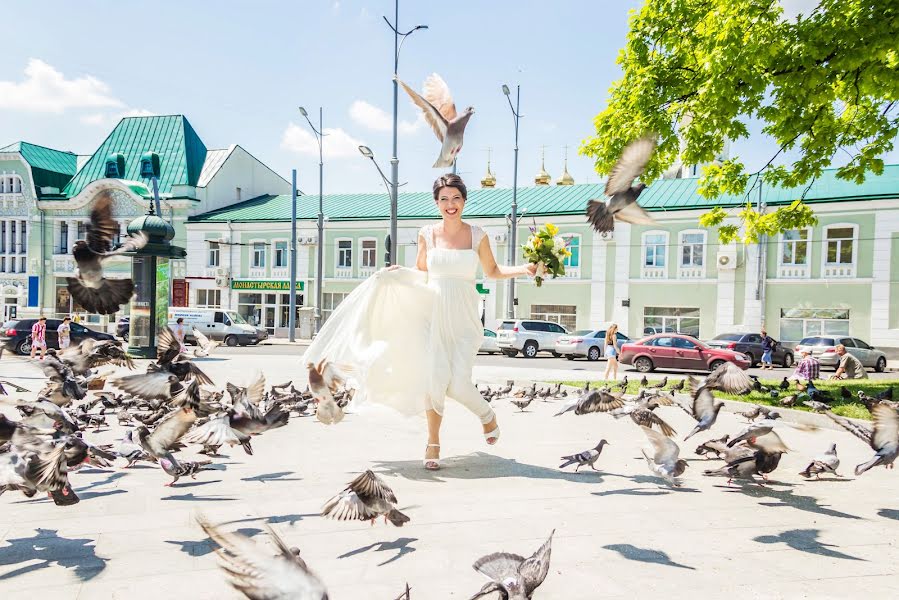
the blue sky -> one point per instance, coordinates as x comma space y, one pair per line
238, 71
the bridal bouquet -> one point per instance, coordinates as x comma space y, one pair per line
547, 250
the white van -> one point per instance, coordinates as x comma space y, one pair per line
225, 326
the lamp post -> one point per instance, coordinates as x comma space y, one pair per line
513, 238
320, 258
391, 191
395, 162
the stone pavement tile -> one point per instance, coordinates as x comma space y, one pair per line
196, 584
56, 592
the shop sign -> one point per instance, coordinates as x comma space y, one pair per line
270, 285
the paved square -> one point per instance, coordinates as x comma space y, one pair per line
619, 532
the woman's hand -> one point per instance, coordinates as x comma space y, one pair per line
394, 267
531, 269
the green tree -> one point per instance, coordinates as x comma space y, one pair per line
696, 71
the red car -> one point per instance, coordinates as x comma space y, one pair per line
676, 351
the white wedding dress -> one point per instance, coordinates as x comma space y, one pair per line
409, 338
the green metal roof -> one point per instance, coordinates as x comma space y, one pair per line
49, 167
180, 150
662, 195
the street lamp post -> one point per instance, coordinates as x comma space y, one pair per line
320, 258
395, 162
292, 315
391, 191
513, 238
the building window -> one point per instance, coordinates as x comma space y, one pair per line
3, 264
11, 184
344, 254
563, 314
12, 238
692, 249
655, 246
22, 266
63, 237
330, 301
797, 323
3, 237
82, 230
369, 253
573, 243
280, 254
209, 298
840, 247
23, 235
258, 255
212, 256
665, 319
794, 250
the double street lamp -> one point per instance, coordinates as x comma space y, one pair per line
391, 191
513, 217
320, 258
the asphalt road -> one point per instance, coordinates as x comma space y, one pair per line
542, 361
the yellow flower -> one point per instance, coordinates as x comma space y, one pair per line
537, 243
552, 229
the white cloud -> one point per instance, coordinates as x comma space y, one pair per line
372, 117
46, 90
337, 142
110, 119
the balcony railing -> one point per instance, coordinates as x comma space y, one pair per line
653, 273
343, 272
691, 272
63, 264
793, 272
280, 272
838, 271
572, 273
257, 271
367, 271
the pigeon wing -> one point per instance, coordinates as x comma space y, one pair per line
149, 386
729, 378
665, 451
703, 404
437, 94
629, 211
436, 120
256, 389
770, 443
859, 431
534, 570
102, 226
499, 566
347, 506
597, 401
171, 429
886, 426
369, 486
665, 428
167, 346
630, 165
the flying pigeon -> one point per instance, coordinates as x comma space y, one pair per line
755, 430
436, 103
324, 380
585, 458
622, 203
760, 457
825, 463
592, 401
512, 576
705, 411
716, 447
89, 288
884, 438
664, 460
364, 499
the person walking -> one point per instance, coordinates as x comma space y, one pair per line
611, 352
63, 333
179, 332
39, 337
767, 351
850, 367
807, 368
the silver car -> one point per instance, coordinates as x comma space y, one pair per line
488, 343
587, 343
528, 336
824, 348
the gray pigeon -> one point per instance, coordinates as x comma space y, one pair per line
716, 447
705, 411
365, 499
512, 576
825, 463
884, 438
436, 103
664, 461
760, 457
89, 288
622, 203
587, 457
258, 574
592, 401
755, 430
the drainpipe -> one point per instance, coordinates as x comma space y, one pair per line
43, 280
763, 260
230, 263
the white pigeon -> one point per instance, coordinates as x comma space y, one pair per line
205, 346
664, 461
436, 103
325, 379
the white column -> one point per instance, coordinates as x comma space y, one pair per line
726, 291
599, 255
621, 292
885, 225
752, 307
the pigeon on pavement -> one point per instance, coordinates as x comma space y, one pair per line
512, 576
622, 194
439, 110
664, 461
585, 458
825, 463
364, 499
716, 447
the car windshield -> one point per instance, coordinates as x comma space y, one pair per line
507, 325
583, 332
729, 337
10, 325
236, 318
816, 341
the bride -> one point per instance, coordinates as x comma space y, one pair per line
408, 337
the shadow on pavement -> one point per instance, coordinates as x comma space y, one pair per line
648, 555
290, 518
402, 545
192, 498
279, 476
49, 548
804, 540
207, 546
788, 498
889, 513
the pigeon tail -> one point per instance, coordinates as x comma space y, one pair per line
868, 465
104, 300
397, 518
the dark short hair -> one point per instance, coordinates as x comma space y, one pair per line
42, 319
67, 318
450, 180
180, 320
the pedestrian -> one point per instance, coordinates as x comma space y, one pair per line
611, 351
63, 333
179, 332
768, 344
850, 367
39, 337
807, 368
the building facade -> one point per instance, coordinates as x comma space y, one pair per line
839, 277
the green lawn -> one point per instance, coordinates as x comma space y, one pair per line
854, 408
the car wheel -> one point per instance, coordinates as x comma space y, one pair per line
715, 364
593, 353
788, 360
511, 353
530, 349
881, 365
231, 341
570, 356
24, 347
644, 364
752, 360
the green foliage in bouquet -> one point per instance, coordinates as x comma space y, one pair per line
548, 251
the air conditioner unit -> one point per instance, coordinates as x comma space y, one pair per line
499, 237
607, 236
311, 239
222, 272
727, 257
222, 281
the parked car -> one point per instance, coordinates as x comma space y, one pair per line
676, 351
653, 330
226, 326
16, 335
589, 343
123, 327
824, 348
488, 342
750, 344
528, 337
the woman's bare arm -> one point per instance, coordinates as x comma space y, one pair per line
421, 261
495, 271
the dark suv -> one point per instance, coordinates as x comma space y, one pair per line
750, 344
16, 335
